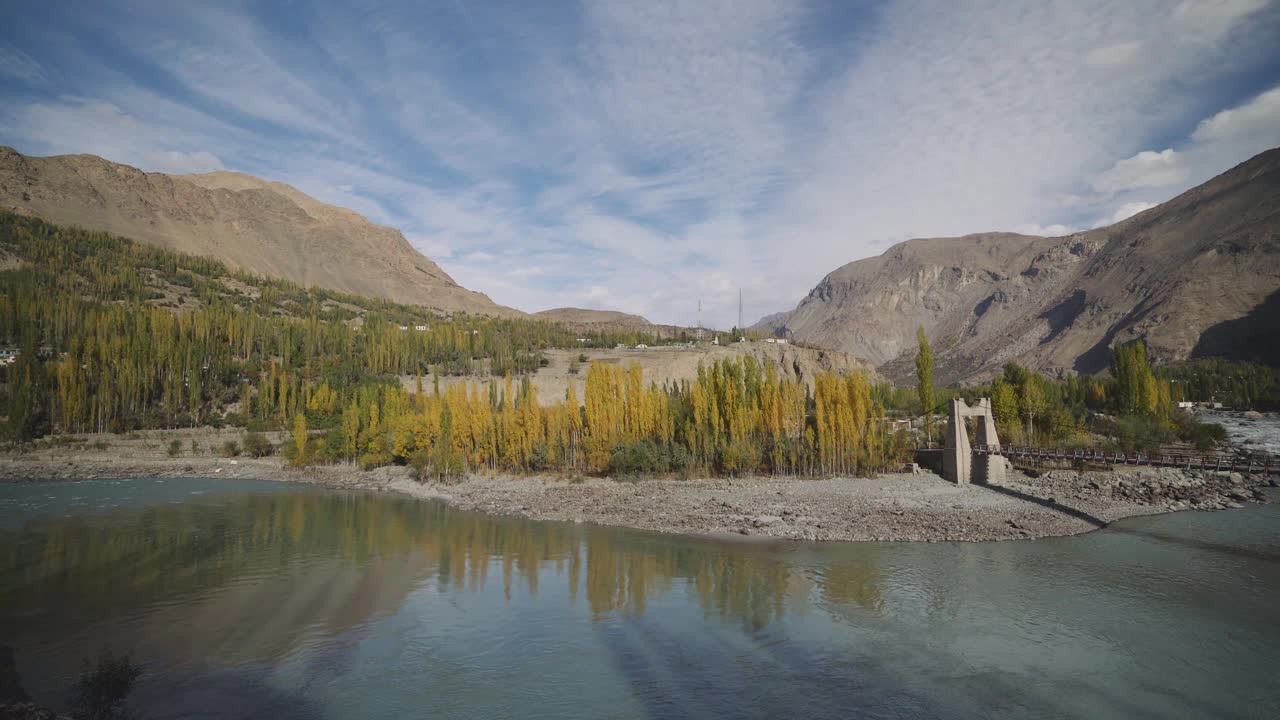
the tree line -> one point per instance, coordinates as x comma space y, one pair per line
736, 417
1134, 407
116, 336
112, 335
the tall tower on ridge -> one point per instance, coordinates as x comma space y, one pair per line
741, 329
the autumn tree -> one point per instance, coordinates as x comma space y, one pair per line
924, 379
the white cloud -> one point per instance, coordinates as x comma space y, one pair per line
642, 156
1146, 169
173, 161
1209, 20
1119, 55
1256, 121
1124, 212
17, 64
1055, 230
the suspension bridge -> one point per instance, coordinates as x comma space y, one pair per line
987, 460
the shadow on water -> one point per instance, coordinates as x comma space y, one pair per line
1050, 504
219, 694
165, 693
1233, 550
1239, 551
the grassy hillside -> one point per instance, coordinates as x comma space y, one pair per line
116, 335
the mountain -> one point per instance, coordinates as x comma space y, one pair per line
1197, 276
263, 227
579, 316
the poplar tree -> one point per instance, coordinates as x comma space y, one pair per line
924, 378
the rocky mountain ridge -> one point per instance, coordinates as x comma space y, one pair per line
264, 227
1196, 276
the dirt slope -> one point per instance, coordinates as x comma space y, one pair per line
674, 363
584, 317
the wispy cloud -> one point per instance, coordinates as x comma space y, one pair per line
643, 156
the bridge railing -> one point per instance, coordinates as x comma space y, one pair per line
1250, 462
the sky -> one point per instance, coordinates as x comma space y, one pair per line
644, 155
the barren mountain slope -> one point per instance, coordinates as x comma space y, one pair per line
264, 227
1198, 275
580, 316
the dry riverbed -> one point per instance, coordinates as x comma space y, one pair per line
920, 507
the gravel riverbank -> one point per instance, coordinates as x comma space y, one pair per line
890, 507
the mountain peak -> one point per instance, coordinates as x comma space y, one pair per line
1058, 304
257, 225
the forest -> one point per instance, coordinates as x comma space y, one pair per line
108, 335
112, 336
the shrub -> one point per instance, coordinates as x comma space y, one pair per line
175, 447
1138, 433
539, 459
257, 425
101, 445
230, 448
257, 445
682, 460
1200, 434
195, 447
643, 456
420, 461
369, 461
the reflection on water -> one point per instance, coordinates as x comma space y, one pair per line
245, 599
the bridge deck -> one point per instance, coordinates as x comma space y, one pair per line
1252, 462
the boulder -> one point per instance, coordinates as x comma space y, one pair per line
765, 520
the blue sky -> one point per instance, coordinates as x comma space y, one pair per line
642, 155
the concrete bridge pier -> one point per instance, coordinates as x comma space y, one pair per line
959, 464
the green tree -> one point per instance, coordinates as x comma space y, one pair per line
300, 439
1032, 403
1004, 404
924, 377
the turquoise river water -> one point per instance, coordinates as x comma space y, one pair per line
255, 599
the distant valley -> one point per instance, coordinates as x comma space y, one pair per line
1197, 276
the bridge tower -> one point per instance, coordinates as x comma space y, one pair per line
959, 463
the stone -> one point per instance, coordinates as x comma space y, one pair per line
766, 520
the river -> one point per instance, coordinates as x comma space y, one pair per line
255, 599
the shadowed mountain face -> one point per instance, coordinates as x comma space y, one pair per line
263, 227
1192, 277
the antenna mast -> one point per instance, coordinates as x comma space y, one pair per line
741, 329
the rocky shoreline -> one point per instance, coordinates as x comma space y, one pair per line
896, 507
